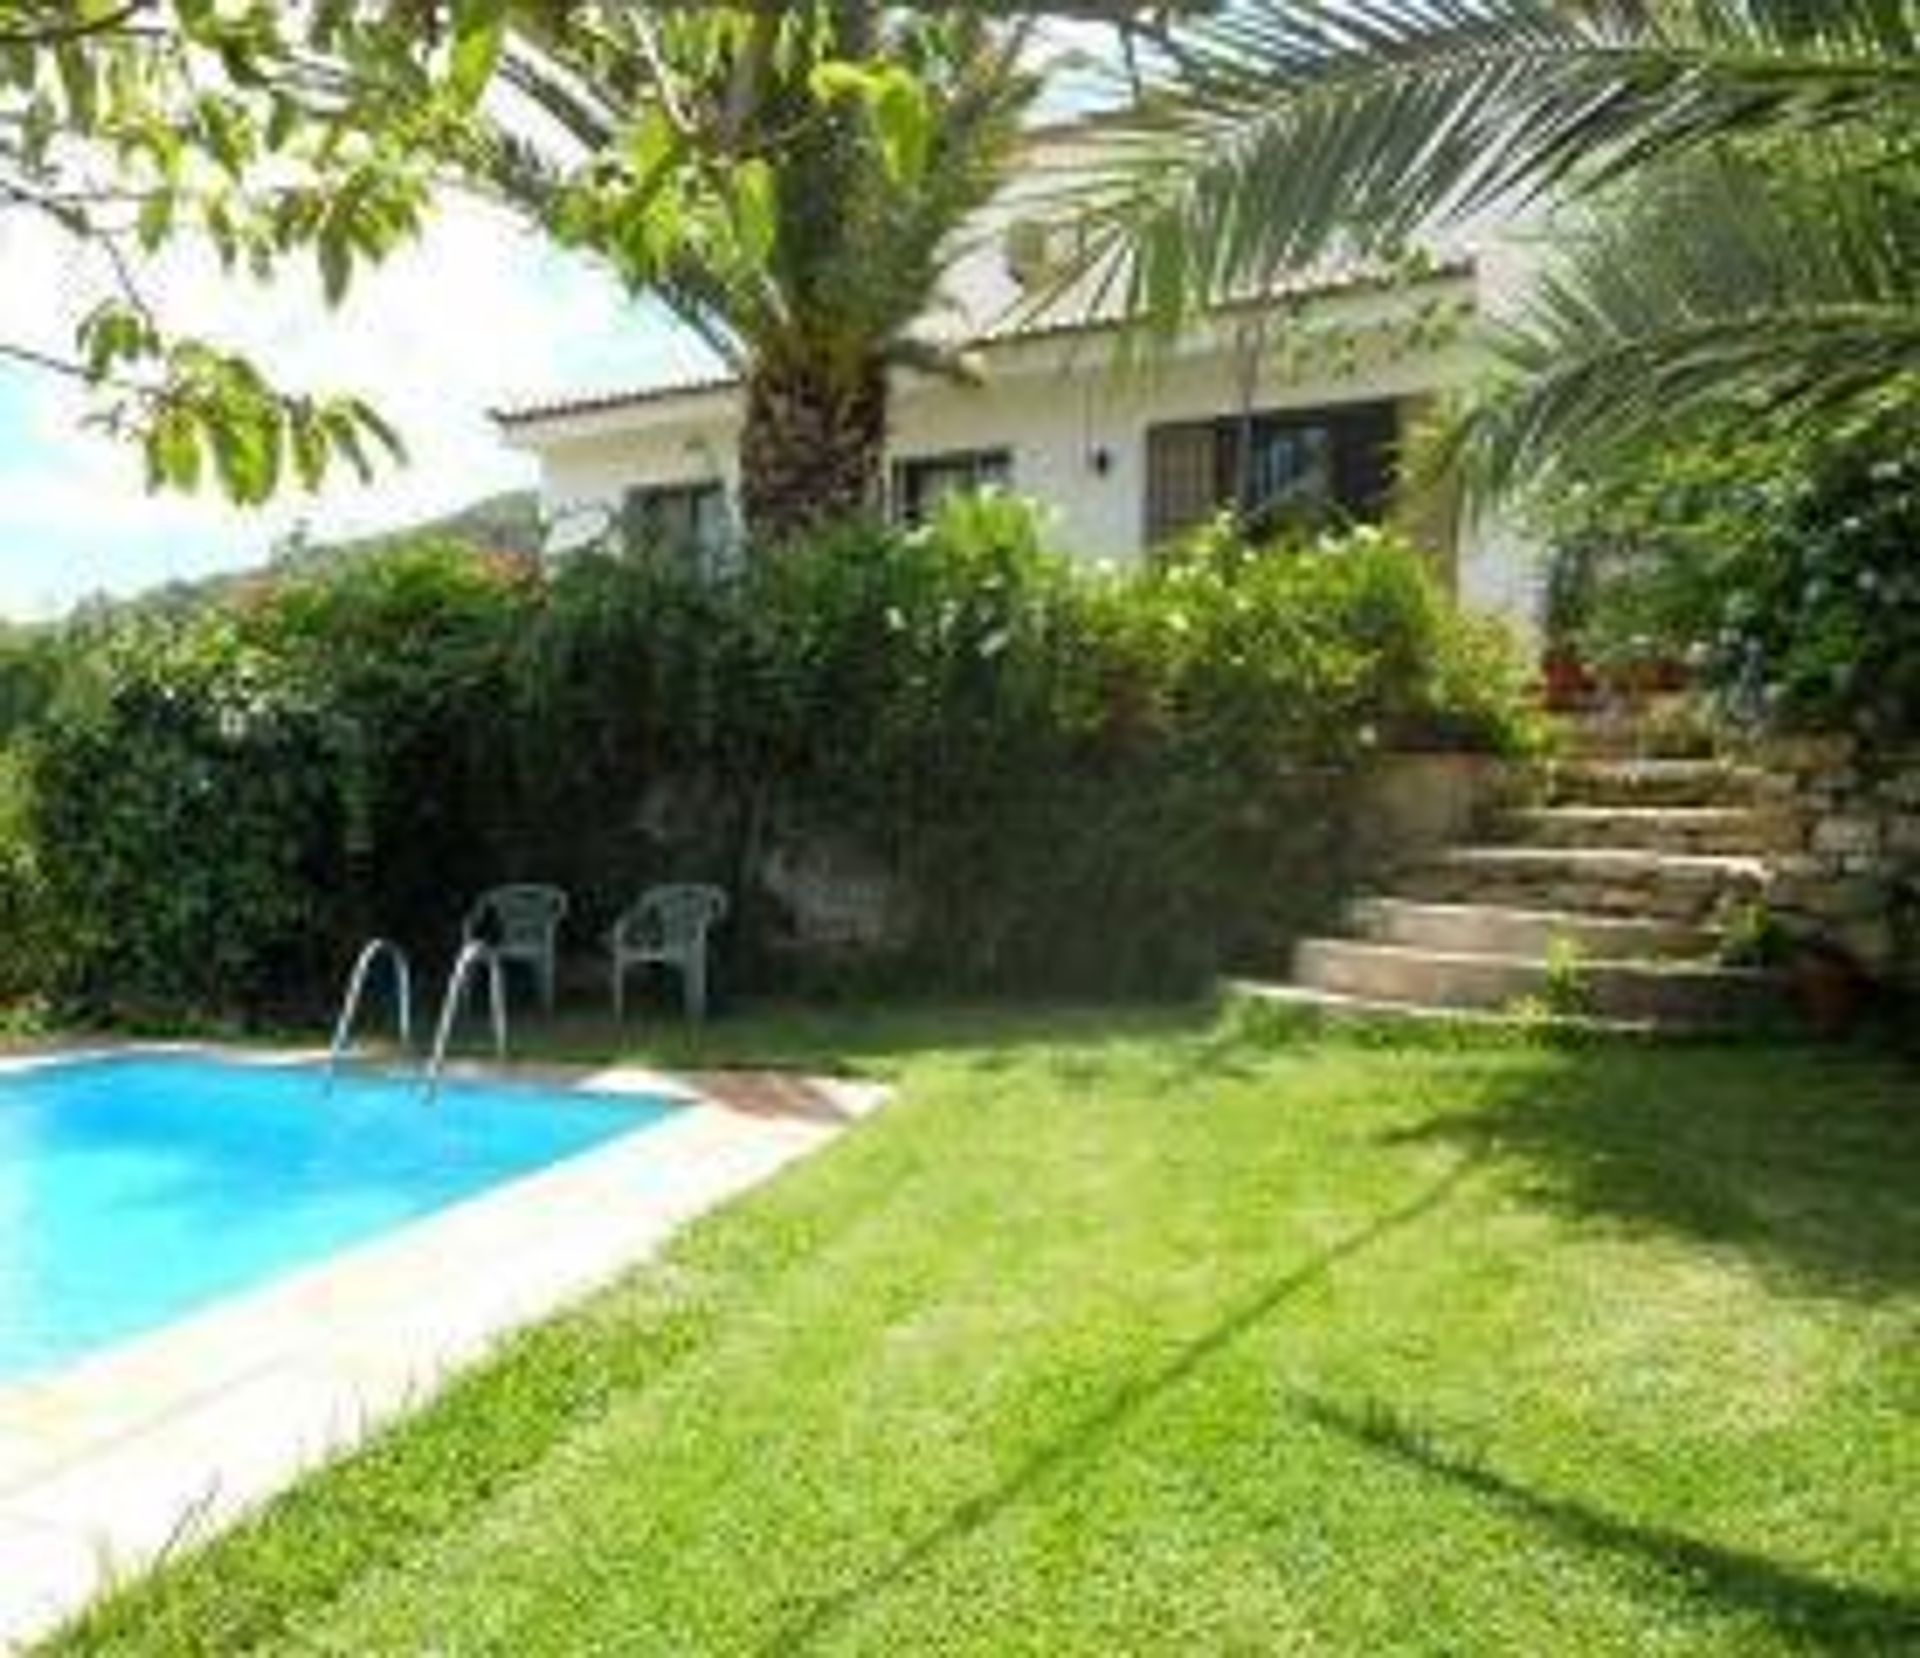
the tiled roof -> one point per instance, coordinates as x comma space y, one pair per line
599, 402
1016, 331
1313, 285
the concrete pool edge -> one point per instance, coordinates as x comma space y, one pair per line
109, 1464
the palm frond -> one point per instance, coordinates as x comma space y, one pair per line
1288, 132
1790, 291
855, 249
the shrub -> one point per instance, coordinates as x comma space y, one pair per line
1083, 779
1338, 645
1781, 568
180, 808
1822, 625
28, 958
401, 664
31, 662
630, 702
1091, 780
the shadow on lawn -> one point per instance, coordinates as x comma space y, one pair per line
1812, 1612
1804, 1160
1125, 1403
1809, 1610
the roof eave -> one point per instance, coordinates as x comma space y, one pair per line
525, 423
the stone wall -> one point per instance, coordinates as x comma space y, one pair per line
840, 900
1852, 875
1407, 804
843, 903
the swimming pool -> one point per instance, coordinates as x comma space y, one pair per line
135, 1190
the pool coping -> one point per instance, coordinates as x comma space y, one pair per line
154, 1445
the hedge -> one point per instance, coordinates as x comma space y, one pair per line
1085, 780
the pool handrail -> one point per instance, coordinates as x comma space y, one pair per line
474, 954
371, 953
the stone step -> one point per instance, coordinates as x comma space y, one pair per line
1490, 929
1653, 783
1715, 829
1694, 888
1681, 995
1617, 734
1330, 1007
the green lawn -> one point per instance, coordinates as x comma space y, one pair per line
1122, 1332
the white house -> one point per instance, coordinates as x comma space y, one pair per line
1304, 398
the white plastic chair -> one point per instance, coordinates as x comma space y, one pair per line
668, 927
522, 923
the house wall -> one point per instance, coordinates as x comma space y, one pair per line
1076, 422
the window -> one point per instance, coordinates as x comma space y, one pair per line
687, 520
1274, 468
920, 484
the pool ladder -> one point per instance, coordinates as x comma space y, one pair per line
474, 955
376, 951
473, 958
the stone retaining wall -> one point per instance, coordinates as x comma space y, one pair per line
1407, 804
1852, 876
842, 902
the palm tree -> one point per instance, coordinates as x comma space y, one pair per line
1734, 184
791, 181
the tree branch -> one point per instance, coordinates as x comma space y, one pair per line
70, 368
66, 34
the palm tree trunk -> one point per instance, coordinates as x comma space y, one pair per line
812, 447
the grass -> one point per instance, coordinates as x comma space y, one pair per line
1128, 1332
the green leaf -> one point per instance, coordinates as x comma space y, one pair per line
343, 434
246, 443
227, 134
651, 145
836, 80
903, 116
335, 255
370, 420
309, 445
898, 104
155, 221
78, 80
479, 30
173, 450
283, 122
755, 209
112, 334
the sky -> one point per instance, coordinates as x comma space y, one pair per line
478, 313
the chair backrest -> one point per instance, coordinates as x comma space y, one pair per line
522, 916
674, 917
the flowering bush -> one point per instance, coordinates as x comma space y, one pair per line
1821, 622
1782, 569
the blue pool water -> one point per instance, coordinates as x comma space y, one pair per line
135, 1190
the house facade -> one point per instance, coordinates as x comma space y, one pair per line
1297, 407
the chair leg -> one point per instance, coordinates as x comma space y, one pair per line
619, 990
694, 974
548, 975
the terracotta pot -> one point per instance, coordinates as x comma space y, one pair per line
1829, 989
1565, 682
1636, 681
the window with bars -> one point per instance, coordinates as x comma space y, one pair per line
1274, 468
920, 483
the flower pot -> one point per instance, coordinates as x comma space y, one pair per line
1829, 989
1565, 682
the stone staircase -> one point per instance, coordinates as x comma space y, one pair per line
1603, 904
